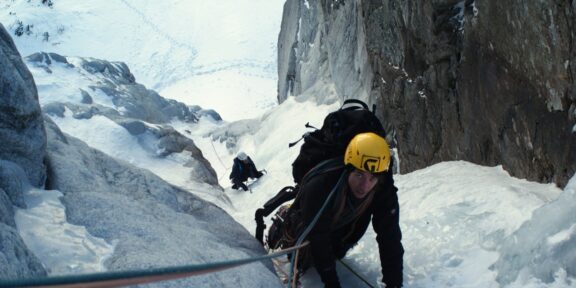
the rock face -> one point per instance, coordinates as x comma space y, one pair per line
319, 43
16, 260
21, 125
22, 152
114, 79
491, 82
152, 223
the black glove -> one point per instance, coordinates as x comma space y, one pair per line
389, 286
332, 285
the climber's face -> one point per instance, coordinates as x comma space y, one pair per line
361, 183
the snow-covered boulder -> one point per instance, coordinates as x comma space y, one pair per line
81, 89
16, 260
153, 223
115, 82
21, 124
544, 246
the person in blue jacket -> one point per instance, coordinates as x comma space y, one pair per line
242, 169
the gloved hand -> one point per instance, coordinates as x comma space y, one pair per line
332, 285
382, 285
393, 282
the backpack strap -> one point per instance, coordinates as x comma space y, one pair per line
284, 195
355, 104
303, 136
324, 167
288, 193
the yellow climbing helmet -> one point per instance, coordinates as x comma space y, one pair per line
368, 152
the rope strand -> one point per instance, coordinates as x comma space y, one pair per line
126, 278
356, 274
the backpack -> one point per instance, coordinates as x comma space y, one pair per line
320, 149
331, 140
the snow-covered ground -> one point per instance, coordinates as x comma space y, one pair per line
457, 218
171, 46
454, 215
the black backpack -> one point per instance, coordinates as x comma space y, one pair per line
331, 140
324, 146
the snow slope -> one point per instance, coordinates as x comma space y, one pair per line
169, 45
463, 224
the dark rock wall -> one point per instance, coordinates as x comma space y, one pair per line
22, 134
22, 152
491, 82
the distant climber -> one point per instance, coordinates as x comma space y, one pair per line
243, 169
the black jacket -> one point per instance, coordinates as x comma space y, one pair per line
242, 170
329, 242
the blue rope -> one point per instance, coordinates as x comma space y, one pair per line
123, 278
357, 274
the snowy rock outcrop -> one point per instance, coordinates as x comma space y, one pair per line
21, 123
16, 259
113, 79
491, 82
109, 89
152, 223
22, 151
544, 246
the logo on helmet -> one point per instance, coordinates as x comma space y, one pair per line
370, 164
